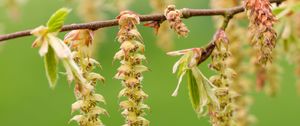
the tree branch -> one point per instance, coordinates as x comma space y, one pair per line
187, 13
211, 46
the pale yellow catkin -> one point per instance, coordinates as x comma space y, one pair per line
240, 84
80, 42
222, 115
130, 72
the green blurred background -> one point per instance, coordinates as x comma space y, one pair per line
27, 100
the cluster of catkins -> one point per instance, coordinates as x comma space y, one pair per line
174, 18
263, 38
211, 94
130, 72
240, 84
80, 42
222, 116
214, 94
223, 96
75, 56
262, 34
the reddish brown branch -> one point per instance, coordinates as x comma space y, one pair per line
187, 13
108, 23
211, 46
230, 13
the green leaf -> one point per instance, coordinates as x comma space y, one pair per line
183, 64
206, 91
56, 21
210, 89
181, 68
51, 62
193, 90
204, 99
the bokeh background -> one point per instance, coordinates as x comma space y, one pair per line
27, 100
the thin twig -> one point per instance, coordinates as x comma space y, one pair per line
187, 13
211, 46
231, 12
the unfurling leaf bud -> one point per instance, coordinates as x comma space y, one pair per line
51, 47
201, 90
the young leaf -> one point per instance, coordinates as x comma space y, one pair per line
56, 21
209, 88
193, 90
178, 84
204, 99
51, 62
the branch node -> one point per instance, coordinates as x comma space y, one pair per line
185, 13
